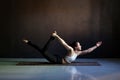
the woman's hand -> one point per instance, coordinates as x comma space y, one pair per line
54, 34
98, 43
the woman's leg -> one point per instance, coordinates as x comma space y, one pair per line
48, 56
48, 43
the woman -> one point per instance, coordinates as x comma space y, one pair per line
74, 50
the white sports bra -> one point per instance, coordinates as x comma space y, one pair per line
70, 59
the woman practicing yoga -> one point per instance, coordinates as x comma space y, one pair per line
74, 50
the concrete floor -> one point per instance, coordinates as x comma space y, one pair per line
108, 70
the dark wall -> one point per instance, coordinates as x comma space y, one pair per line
87, 21
116, 26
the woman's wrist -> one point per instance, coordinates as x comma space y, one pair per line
56, 36
97, 46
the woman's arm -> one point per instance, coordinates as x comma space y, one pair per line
54, 34
92, 48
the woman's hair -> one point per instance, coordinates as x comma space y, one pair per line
73, 44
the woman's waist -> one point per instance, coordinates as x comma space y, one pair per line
64, 61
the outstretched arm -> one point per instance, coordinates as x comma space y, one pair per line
54, 34
92, 48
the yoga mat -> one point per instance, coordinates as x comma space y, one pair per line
52, 64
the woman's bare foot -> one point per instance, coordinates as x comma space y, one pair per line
25, 41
